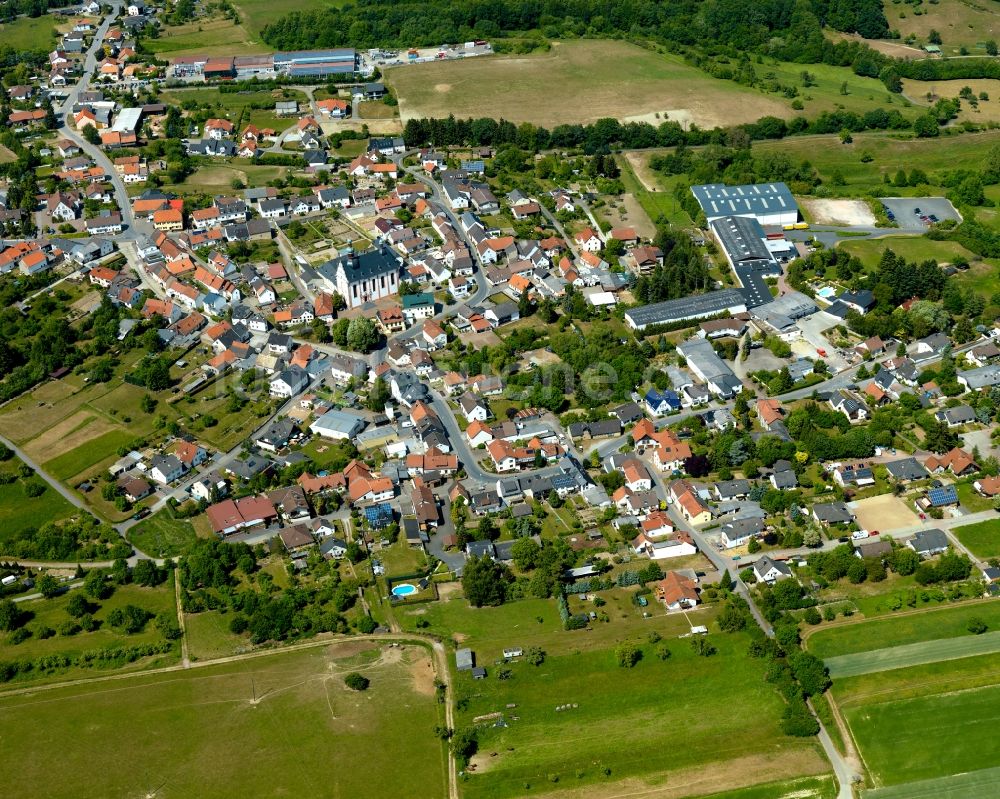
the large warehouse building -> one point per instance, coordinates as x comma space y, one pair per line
317, 62
768, 203
697, 306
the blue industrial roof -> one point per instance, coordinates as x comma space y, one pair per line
305, 56
718, 199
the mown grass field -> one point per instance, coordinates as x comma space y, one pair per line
52, 613
805, 788
936, 735
162, 536
29, 33
902, 628
278, 725
83, 457
614, 738
875, 699
563, 86
913, 654
980, 784
982, 539
19, 512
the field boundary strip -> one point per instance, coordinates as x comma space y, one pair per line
970, 785
898, 657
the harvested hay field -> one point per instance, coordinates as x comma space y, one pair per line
577, 82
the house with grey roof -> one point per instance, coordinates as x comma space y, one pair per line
832, 513
929, 542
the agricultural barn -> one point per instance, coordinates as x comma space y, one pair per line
768, 203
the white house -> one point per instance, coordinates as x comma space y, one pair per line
767, 570
164, 469
588, 240
288, 383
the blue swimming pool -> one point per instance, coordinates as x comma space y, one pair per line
404, 589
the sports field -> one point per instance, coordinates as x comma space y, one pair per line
897, 657
577, 81
982, 539
902, 628
277, 725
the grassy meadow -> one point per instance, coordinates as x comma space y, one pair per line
52, 613
545, 750
289, 715
19, 512
30, 33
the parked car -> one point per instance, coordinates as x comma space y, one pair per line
142, 513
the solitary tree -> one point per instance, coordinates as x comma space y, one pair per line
356, 682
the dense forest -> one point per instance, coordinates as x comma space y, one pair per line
711, 23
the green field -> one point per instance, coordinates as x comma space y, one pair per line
982, 539
805, 788
563, 86
19, 512
52, 613
913, 248
208, 635
277, 725
902, 628
980, 784
38, 33
929, 736
890, 154
614, 709
923, 710
162, 536
255, 14
913, 654
81, 458
612, 703
205, 37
